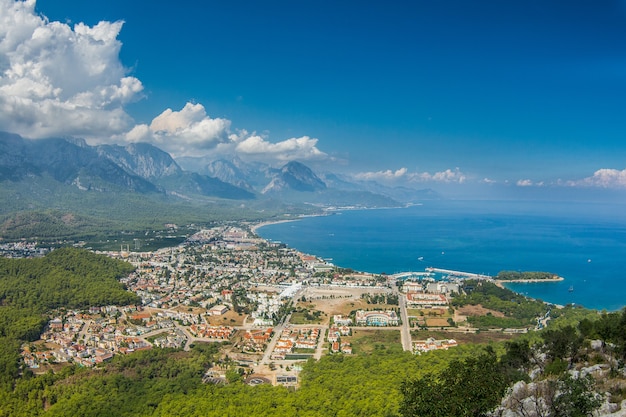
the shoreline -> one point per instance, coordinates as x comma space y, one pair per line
529, 281
257, 226
556, 290
501, 282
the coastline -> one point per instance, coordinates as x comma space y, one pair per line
501, 282
399, 237
257, 226
529, 281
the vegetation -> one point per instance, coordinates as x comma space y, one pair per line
559, 385
468, 387
384, 298
306, 316
518, 310
65, 278
545, 373
50, 212
525, 276
369, 341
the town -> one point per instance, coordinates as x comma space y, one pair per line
270, 307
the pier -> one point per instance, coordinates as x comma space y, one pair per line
458, 273
412, 275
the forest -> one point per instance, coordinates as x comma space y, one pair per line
524, 275
65, 213
66, 278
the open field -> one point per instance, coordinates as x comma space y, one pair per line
308, 315
461, 337
477, 310
365, 341
437, 322
333, 300
229, 319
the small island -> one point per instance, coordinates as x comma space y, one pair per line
527, 276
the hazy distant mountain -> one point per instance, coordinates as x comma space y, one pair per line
295, 176
138, 167
292, 183
67, 161
399, 193
228, 172
143, 159
143, 168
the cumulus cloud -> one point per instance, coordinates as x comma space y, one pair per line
604, 178
185, 132
403, 175
59, 80
302, 148
387, 175
530, 183
191, 132
448, 176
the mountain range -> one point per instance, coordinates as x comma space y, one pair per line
144, 169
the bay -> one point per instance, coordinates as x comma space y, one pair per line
584, 243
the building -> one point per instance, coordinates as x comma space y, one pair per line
432, 344
218, 310
376, 318
422, 299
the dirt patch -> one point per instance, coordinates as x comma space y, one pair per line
477, 310
332, 300
462, 337
230, 318
437, 322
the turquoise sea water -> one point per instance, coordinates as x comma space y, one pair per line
584, 243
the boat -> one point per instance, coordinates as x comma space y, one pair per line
571, 289
421, 258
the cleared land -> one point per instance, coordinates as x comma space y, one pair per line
462, 337
331, 301
366, 341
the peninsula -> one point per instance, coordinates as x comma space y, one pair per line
527, 276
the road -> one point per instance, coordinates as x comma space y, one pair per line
83, 332
278, 330
405, 329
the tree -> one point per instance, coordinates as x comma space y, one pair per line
465, 388
562, 343
567, 396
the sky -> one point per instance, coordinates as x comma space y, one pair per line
526, 94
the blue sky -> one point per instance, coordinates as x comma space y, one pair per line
525, 93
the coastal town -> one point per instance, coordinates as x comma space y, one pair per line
268, 305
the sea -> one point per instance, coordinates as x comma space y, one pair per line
585, 243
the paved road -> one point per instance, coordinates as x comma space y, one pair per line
83, 331
405, 330
270, 346
320, 343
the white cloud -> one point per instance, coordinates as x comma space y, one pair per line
448, 176
403, 175
58, 80
191, 132
183, 133
604, 178
387, 175
302, 148
524, 183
